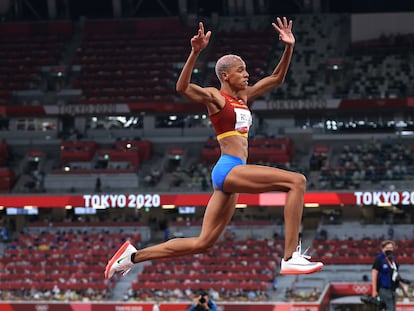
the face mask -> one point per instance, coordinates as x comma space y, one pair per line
388, 253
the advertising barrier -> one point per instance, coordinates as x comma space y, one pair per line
150, 200
91, 306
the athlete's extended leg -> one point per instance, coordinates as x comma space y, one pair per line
258, 179
218, 213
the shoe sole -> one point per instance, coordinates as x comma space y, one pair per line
316, 269
115, 258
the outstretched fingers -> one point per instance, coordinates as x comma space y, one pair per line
284, 29
289, 25
200, 32
200, 29
201, 39
282, 24
208, 34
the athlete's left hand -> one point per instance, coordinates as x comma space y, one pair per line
285, 31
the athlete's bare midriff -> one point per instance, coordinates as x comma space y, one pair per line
235, 145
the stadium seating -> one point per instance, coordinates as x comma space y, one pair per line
276, 150
232, 266
7, 179
7, 174
67, 259
125, 64
380, 68
25, 49
83, 162
243, 44
363, 164
352, 243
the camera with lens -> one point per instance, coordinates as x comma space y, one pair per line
202, 304
373, 301
405, 281
201, 307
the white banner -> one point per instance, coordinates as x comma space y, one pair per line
85, 109
296, 104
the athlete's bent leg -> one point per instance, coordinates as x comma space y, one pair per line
259, 179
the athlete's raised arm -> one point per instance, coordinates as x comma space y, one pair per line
284, 28
184, 86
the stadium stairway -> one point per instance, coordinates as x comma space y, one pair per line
307, 239
2, 248
285, 282
124, 284
73, 44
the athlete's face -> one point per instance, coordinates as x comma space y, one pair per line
238, 75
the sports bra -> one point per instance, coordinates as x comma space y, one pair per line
234, 119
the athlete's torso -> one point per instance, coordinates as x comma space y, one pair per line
234, 119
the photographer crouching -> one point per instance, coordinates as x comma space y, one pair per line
203, 302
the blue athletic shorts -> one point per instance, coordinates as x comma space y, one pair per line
223, 166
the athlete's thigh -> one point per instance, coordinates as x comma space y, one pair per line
258, 178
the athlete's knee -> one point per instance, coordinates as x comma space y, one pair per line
203, 245
299, 182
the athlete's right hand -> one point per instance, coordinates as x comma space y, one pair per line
200, 40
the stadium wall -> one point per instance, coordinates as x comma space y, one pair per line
92, 306
80, 306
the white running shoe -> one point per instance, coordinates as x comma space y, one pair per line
121, 261
299, 263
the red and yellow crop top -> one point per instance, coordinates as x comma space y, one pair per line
234, 119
